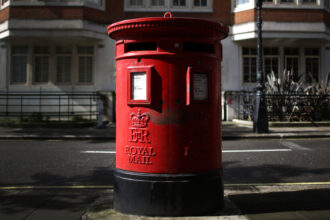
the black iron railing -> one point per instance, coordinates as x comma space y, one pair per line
281, 107
48, 105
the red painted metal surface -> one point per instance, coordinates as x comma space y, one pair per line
168, 94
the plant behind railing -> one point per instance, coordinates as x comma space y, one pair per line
288, 100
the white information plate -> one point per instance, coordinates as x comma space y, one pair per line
139, 86
201, 86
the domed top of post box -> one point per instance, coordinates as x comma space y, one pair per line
167, 26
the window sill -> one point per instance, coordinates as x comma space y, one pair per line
246, 7
293, 6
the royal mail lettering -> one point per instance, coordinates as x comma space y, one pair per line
139, 160
140, 155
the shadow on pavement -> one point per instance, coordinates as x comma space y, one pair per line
268, 173
26, 200
99, 176
291, 201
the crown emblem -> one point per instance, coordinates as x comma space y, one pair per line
139, 120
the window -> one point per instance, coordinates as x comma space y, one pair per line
287, 1
241, 2
41, 64
63, 64
296, 61
200, 3
271, 61
136, 2
95, 2
19, 64
268, 1
169, 5
4, 2
291, 56
179, 2
312, 64
309, 1
85, 64
249, 65
157, 3
56, 64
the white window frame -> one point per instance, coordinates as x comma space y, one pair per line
297, 4
70, 55
318, 57
309, 3
193, 5
168, 6
4, 3
187, 2
249, 56
158, 6
12, 64
298, 57
92, 55
86, 3
35, 55
294, 2
52, 72
264, 64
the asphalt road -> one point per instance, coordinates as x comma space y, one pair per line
87, 162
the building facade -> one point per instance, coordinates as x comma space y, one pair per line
57, 45
295, 38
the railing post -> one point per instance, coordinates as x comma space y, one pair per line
40, 101
59, 107
21, 113
90, 105
7, 103
68, 105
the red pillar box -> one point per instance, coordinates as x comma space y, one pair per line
168, 139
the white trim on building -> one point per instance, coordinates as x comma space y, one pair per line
52, 28
243, 5
295, 30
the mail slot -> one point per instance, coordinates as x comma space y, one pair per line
168, 140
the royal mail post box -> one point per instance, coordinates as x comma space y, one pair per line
168, 128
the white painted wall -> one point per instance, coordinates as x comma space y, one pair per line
231, 66
105, 70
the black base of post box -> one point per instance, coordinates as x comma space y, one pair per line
168, 194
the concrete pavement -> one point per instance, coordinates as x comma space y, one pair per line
230, 130
244, 202
283, 201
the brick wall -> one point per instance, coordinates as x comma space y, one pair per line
4, 14
282, 15
47, 13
